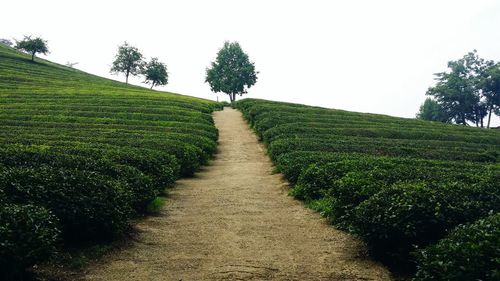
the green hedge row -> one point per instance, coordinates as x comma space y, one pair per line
81, 155
469, 252
28, 234
309, 129
385, 147
401, 185
404, 217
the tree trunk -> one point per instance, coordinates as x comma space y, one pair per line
152, 85
33, 56
489, 116
126, 76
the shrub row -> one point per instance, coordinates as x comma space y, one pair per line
470, 252
28, 234
401, 185
385, 147
81, 155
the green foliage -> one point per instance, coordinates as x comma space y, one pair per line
469, 252
89, 206
399, 184
92, 152
430, 110
32, 46
225, 103
128, 60
141, 185
313, 183
28, 234
458, 92
232, 72
490, 86
399, 219
154, 207
155, 73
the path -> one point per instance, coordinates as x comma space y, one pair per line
234, 221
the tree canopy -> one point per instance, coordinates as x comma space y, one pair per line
128, 60
155, 73
32, 46
490, 85
232, 72
468, 92
430, 110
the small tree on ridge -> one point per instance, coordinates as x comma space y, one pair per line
156, 73
128, 60
32, 46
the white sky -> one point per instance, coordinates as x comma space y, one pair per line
361, 55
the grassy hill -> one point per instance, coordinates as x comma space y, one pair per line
80, 155
402, 185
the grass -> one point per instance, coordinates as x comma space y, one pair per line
155, 206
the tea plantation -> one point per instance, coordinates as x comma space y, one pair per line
81, 155
423, 196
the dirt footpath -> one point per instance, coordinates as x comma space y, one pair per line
234, 221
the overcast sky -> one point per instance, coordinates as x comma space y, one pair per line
362, 55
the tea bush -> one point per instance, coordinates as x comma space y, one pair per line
469, 252
28, 234
88, 153
399, 184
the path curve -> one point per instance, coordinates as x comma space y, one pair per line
234, 221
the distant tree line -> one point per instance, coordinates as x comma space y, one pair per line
468, 93
231, 73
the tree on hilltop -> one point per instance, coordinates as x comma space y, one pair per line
490, 85
155, 73
232, 72
459, 92
128, 60
430, 110
32, 46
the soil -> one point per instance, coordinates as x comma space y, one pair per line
234, 221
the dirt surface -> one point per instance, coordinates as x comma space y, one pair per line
234, 221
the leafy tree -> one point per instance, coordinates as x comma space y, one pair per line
232, 72
430, 110
128, 60
156, 73
32, 46
490, 85
458, 91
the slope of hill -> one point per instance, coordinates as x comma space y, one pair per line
399, 184
80, 155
